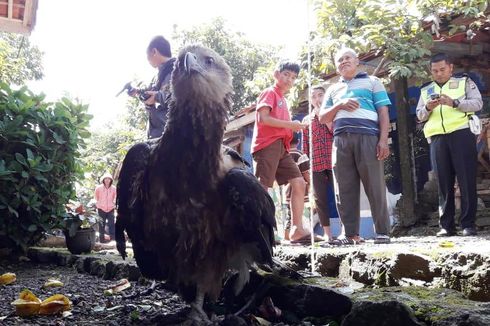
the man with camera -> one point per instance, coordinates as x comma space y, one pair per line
446, 105
159, 56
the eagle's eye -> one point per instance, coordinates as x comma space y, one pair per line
209, 60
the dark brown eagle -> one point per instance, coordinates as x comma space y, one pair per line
191, 210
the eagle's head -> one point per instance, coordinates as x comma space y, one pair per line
201, 76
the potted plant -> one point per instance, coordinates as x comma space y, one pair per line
78, 227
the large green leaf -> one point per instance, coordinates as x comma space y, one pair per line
21, 159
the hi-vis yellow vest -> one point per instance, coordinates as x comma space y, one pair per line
445, 119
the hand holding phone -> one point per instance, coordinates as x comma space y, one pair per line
433, 102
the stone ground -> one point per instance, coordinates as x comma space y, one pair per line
434, 277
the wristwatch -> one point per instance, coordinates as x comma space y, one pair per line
455, 103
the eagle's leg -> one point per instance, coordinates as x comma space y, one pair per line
198, 314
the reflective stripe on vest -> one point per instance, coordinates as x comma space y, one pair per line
445, 119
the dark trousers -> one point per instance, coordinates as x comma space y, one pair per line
321, 180
106, 217
454, 155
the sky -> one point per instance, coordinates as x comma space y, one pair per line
92, 48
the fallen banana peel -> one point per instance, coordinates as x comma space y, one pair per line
28, 304
121, 285
52, 283
7, 278
446, 244
54, 304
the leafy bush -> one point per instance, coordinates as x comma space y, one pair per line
78, 217
40, 145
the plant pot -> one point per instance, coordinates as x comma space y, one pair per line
82, 242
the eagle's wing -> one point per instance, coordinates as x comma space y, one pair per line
129, 196
250, 214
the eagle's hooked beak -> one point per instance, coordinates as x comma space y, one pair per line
191, 64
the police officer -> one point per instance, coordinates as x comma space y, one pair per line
446, 104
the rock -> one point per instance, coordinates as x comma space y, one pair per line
387, 313
368, 269
464, 320
328, 264
42, 255
53, 241
294, 259
98, 267
468, 273
110, 270
65, 259
413, 266
483, 221
309, 300
430, 306
126, 270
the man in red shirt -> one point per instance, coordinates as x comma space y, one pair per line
271, 139
321, 158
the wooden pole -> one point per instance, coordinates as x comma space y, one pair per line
407, 207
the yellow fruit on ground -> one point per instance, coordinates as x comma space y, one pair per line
7, 278
54, 304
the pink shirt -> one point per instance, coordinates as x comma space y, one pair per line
265, 135
105, 198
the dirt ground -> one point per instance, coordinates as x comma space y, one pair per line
90, 305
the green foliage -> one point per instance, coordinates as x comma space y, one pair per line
40, 147
105, 151
19, 60
391, 28
243, 56
78, 217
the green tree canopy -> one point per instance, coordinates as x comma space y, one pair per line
19, 60
393, 28
243, 56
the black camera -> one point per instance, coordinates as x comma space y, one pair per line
435, 96
134, 91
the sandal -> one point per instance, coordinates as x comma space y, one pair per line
344, 241
306, 240
382, 239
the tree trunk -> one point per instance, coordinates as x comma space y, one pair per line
407, 212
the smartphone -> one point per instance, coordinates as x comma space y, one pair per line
435, 96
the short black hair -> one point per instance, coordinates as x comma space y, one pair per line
318, 88
288, 65
161, 44
440, 57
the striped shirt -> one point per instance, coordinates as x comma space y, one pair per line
371, 95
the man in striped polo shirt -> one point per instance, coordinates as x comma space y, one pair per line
358, 106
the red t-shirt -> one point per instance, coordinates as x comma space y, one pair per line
264, 135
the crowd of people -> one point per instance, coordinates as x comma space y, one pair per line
348, 141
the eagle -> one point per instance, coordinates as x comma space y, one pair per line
191, 209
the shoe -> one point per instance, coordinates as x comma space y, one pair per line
467, 232
445, 233
381, 238
346, 241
